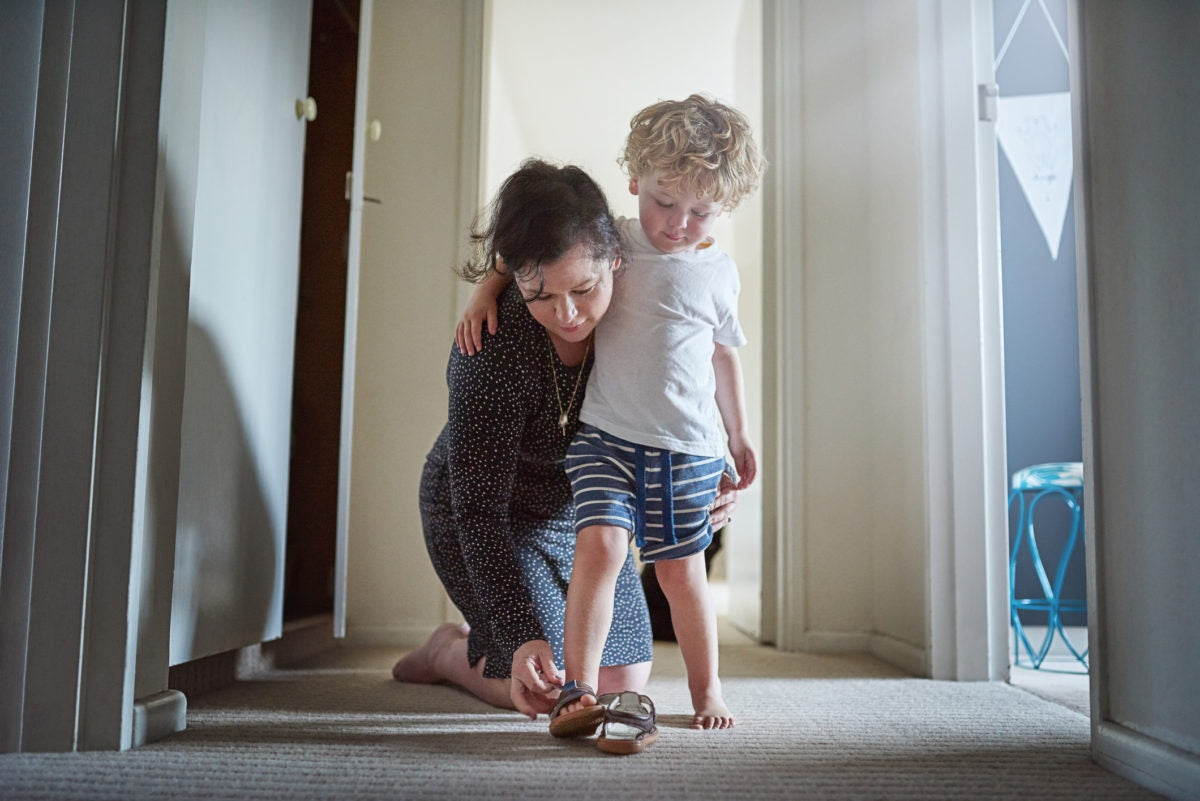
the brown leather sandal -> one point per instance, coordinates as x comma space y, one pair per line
629, 723
581, 722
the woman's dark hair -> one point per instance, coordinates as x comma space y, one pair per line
540, 213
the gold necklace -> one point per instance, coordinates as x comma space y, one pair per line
562, 413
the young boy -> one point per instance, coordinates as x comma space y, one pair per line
649, 456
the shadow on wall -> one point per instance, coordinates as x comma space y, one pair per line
226, 560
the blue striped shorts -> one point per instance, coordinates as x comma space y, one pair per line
660, 496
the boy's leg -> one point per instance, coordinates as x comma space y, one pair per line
619, 678
685, 583
600, 551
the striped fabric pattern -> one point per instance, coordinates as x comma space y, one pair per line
661, 497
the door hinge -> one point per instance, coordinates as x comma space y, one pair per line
988, 94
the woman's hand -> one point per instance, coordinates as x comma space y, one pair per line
721, 510
535, 679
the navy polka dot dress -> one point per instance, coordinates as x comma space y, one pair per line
496, 505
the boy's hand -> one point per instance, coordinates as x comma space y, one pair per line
468, 335
535, 679
744, 459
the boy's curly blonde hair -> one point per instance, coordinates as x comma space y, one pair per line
697, 142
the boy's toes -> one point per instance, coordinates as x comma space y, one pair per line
712, 721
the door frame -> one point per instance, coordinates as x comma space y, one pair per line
350, 341
966, 474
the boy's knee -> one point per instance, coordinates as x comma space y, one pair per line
607, 545
677, 575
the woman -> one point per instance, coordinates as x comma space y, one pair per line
495, 503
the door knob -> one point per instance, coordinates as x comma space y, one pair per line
306, 109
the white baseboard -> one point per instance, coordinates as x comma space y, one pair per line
904, 656
158, 715
901, 654
834, 642
1144, 760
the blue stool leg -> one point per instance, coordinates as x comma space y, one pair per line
1030, 486
1072, 500
1024, 530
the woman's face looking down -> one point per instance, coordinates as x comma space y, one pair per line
570, 295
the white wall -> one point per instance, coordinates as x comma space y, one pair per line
896, 448
566, 77
852, 316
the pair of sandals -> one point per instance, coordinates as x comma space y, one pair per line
627, 721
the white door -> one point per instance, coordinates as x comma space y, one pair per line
228, 585
1137, 207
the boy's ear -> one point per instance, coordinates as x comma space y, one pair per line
633, 186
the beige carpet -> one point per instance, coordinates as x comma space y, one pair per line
810, 727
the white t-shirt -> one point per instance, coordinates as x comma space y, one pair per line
652, 382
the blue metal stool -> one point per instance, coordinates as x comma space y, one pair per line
1029, 487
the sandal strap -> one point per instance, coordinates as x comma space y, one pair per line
639, 719
571, 692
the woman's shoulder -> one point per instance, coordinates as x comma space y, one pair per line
508, 352
515, 325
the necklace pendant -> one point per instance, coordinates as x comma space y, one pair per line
562, 413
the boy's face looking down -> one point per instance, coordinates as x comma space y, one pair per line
673, 217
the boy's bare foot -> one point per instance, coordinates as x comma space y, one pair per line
582, 703
580, 716
421, 666
711, 712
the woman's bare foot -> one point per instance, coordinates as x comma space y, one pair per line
421, 666
711, 712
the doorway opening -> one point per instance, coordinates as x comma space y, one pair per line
1043, 418
321, 313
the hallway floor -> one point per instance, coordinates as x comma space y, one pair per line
825, 727
1061, 678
